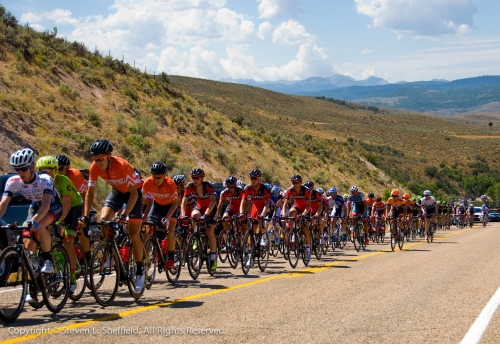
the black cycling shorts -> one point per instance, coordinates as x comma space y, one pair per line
116, 199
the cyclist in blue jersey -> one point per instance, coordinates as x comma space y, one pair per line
338, 207
357, 206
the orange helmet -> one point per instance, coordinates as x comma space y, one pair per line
395, 192
406, 195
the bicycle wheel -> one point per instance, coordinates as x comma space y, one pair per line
131, 268
80, 272
194, 257
56, 287
393, 238
263, 253
104, 274
362, 238
174, 273
318, 251
221, 246
401, 241
232, 250
357, 239
151, 261
273, 247
13, 284
303, 249
284, 244
326, 242
36, 298
248, 250
293, 249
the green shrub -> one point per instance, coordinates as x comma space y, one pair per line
173, 146
92, 116
138, 141
129, 91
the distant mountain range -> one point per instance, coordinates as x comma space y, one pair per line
436, 96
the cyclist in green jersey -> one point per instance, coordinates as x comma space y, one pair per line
72, 209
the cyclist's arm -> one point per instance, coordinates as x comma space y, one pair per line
266, 206
66, 207
183, 206
4, 204
219, 208
308, 207
149, 205
44, 208
320, 209
89, 199
284, 208
213, 201
134, 195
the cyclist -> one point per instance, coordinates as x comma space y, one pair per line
301, 204
316, 208
397, 207
357, 206
256, 200
410, 206
460, 214
369, 205
470, 215
233, 195
162, 199
277, 198
429, 208
46, 207
204, 209
378, 211
126, 189
71, 209
338, 208
484, 208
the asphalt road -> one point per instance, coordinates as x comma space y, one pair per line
425, 293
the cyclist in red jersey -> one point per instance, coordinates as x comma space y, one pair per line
233, 195
161, 204
302, 205
256, 195
316, 207
204, 209
126, 189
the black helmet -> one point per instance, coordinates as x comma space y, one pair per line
101, 146
255, 173
62, 160
371, 195
296, 177
158, 167
230, 180
197, 172
309, 184
179, 179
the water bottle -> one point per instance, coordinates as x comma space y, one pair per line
164, 244
124, 253
32, 261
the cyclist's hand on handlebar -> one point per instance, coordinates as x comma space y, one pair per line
83, 220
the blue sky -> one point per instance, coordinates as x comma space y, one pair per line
283, 39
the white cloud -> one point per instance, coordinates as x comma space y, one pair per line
366, 51
279, 8
367, 73
423, 18
58, 16
291, 33
264, 30
37, 27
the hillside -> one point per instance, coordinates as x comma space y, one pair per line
57, 96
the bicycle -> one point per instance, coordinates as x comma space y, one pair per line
485, 220
339, 237
396, 234
379, 230
18, 268
197, 249
295, 245
234, 242
157, 255
112, 264
359, 235
253, 249
316, 246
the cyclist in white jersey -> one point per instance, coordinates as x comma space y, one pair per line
429, 208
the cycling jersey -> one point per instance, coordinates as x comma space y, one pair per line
358, 203
120, 175
397, 205
300, 197
484, 209
410, 205
77, 179
65, 188
163, 194
258, 197
42, 184
233, 198
316, 199
428, 203
203, 200
337, 205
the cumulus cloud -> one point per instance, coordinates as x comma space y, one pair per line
366, 51
291, 33
264, 30
423, 18
58, 16
279, 8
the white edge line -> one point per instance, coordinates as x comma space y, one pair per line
476, 331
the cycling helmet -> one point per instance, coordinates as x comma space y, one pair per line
197, 172
406, 195
62, 159
22, 158
240, 184
179, 179
332, 190
158, 167
101, 146
371, 195
320, 191
354, 188
268, 186
47, 162
427, 193
138, 172
296, 177
378, 199
230, 181
276, 190
346, 196
309, 184
395, 192
255, 173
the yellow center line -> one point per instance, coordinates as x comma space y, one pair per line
300, 273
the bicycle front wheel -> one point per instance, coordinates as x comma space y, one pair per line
151, 261
174, 273
131, 267
194, 256
293, 251
13, 285
401, 241
263, 253
221, 245
56, 285
104, 274
248, 250
80, 272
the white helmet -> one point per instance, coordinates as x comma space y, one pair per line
427, 193
354, 188
22, 158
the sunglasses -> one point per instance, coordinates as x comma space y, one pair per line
22, 169
254, 178
99, 160
195, 178
157, 177
295, 183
